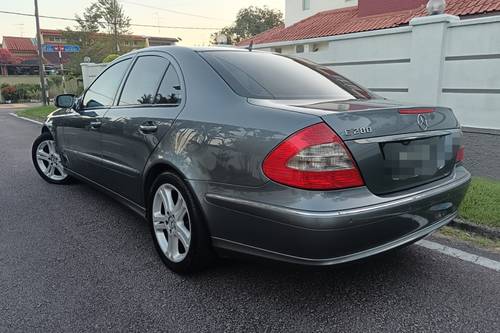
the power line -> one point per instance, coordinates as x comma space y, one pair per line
132, 24
171, 10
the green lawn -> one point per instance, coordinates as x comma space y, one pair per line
36, 113
468, 237
482, 203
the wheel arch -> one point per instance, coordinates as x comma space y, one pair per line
153, 171
45, 129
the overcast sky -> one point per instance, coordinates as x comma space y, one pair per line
216, 13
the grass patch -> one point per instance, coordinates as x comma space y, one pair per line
482, 203
468, 237
36, 113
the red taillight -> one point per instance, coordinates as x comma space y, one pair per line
415, 111
314, 158
460, 154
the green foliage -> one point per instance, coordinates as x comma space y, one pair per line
116, 23
482, 202
54, 81
20, 92
107, 15
250, 22
110, 57
9, 93
91, 20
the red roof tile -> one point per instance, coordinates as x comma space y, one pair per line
18, 43
347, 20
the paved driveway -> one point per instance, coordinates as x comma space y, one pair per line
71, 259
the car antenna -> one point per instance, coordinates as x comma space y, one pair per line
250, 47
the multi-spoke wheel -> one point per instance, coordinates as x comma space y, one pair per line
47, 161
171, 222
178, 229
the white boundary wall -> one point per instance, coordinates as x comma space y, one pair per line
436, 60
90, 71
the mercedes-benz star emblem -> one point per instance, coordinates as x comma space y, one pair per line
422, 122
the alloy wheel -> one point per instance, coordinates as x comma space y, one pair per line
171, 222
49, 161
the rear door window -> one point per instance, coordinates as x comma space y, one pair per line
170, 91
143, 81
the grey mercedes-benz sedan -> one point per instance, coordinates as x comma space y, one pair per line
229, 150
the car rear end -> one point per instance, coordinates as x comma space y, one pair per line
369, 176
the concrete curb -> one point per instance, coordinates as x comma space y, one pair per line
27, 119
488, 232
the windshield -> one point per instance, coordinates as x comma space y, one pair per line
272, 76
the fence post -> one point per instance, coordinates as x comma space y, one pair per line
427, 57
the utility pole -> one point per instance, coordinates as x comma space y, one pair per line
40, 56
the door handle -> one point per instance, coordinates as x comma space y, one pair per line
148, 128
95, 124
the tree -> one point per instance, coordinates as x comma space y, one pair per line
250, 22
115, 20
91, 20
87, 35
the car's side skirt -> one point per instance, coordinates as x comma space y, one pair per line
141, 211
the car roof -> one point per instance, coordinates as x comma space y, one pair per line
181, 49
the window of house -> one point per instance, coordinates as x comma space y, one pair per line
299, 49
143, 80
170, 91
306, 4
102, 91
277, 50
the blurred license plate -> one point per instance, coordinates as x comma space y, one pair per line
414, 158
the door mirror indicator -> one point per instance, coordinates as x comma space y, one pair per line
65, 101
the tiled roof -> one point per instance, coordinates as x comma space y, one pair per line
18, 43
53, 32
347, 20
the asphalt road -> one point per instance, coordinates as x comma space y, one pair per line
71, 259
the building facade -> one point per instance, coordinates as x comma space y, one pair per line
297, 10
56, 37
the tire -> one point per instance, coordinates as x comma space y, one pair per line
180, 234
47, 161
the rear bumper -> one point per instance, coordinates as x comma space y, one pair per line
340, 226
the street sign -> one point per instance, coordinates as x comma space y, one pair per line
60, 48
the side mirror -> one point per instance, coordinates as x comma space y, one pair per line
65, 101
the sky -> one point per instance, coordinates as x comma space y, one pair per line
204, 13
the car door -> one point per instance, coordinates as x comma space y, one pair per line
151, 99
81, 129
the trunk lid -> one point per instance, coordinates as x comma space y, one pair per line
396, 147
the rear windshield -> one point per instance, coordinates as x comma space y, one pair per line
272, 76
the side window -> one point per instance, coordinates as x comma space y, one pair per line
143, 80
170, 91
102, 91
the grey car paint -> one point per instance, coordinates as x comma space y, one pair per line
217, 141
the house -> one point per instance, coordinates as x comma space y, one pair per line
25, 53
396, 49
297, 10
22, 48
55, 37
365, 15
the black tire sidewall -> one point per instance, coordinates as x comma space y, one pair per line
200, 253
46, 136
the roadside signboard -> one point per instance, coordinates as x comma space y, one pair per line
60, 48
